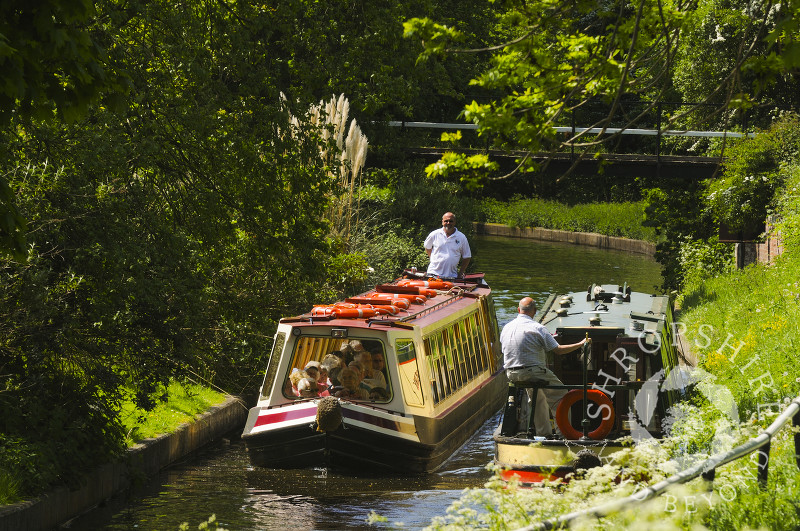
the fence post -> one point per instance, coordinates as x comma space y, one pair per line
658, 133
796, 422
763, 464
572, 142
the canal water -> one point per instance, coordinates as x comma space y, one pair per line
222, 482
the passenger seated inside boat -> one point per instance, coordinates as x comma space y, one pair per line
372, 378
356, 366
333, 378
350, 386
314, 370
379, 363
378, 394
294, 380
308, 388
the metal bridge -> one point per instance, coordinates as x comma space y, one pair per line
615, 163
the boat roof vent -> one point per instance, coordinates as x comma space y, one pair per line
594, 320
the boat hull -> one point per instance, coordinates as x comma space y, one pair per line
370, 439
531, 461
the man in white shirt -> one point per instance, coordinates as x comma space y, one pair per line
447, 248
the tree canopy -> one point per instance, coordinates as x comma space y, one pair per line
558, 57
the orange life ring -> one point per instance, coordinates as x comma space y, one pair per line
322, 311
432, 284
410, 297
353, 313
386, 309
575, 396
345, 310
399, 303
425, 292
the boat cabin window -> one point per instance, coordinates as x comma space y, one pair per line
409, 371
456, 355
351, 368
272, 366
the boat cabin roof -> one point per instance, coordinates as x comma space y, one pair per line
426, 304
605, 311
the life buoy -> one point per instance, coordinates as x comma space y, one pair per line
605, 407
425, 292
379, 310
345, 310
386, 309
432, 284
387, 298
410, 297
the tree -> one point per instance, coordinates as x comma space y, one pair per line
51, 64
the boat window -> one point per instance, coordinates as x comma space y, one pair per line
300, 381
272, 365
409, 372
456, 355
463, 360
484, 349
472, 331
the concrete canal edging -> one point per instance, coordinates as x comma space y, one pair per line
591, 239
143, 460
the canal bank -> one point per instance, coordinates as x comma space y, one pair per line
55, 508
591, 239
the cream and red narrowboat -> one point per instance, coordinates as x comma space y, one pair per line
619, 386
443, 380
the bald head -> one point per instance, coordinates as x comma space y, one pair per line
527, 306
449, 222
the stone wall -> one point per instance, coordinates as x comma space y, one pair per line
579, 238
143, 460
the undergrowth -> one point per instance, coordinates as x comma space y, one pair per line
612, 219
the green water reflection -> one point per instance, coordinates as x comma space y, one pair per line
515, 267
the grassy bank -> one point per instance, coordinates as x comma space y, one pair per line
184, 403
612, 219
180, 404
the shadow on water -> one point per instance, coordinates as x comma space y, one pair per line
223, 483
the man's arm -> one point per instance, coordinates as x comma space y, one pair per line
566, 349
428, 251
464, 264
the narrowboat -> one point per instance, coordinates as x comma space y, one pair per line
442, 379
618, 387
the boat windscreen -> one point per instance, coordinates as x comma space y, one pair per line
353, 369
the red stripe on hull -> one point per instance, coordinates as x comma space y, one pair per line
283, 416
526, 476
380, 422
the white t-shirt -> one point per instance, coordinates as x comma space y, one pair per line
446, 252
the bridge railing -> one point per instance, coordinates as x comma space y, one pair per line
706, 468
574, 130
